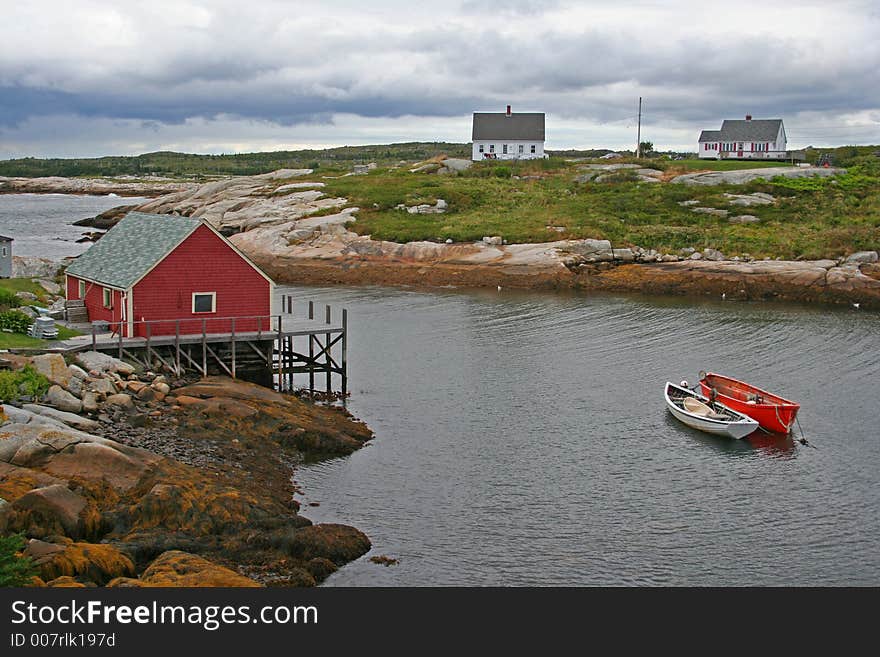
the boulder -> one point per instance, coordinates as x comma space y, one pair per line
77, 372
338, 543
98, 563
24, 416
33, 267
50, 286
494, 240
712, 254
862, 257
90, 402
121, 400
70, 419
181, 569
744, 219
59, 398
53, 367
50, 510
101, 386
161, 387
95, 360
624, 255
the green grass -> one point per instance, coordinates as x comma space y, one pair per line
19, 341
723, 165
22, 285
810, 220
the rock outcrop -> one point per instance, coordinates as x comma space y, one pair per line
747, 175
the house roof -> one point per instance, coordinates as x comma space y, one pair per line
710, 135
528, 126
3, 238
752, 130
131, 248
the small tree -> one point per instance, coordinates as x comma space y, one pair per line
15, 570
646, 147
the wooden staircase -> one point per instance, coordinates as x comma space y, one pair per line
76, 311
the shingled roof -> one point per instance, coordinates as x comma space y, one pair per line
751, 130
524, 126
710, 135
131, 248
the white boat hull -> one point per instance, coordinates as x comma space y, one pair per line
739, 427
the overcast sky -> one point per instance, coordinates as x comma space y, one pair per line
116, 77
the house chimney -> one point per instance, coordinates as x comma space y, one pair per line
508, 110
748, 117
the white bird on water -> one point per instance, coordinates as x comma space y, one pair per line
499, 288
856, 305
723, 295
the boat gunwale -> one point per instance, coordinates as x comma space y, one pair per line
743, 418
780, 402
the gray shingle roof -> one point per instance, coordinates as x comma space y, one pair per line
528, 126
3, 238
710, 135
754, 130
131, 248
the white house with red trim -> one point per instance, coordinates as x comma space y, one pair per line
749, 139
161, 274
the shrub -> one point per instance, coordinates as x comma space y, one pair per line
8, 299
501, 172
26, 381
15, 570
15, 321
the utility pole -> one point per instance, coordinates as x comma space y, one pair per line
639, 137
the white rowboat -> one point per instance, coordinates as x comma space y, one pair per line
698, 412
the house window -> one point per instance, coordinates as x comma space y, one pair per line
491, 148
521, 148
504, 149
204, 302
481, 148
108, 298
533, 148
5, 251
82, 289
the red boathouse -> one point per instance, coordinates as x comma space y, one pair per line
157, 274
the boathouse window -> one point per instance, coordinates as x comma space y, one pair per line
204, 302
5, 251
108, 298
482, 148
82, 289
491, 148
504, 149
533, 148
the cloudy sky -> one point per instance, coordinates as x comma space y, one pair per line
116, 77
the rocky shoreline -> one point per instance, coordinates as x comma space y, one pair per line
127, 478
285, 223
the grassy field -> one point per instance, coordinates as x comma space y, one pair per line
17, 340
528, 201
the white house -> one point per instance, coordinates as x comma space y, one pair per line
762, 139
508, 136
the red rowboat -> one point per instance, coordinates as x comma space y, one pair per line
771, 411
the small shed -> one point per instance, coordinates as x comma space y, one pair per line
5, 257
157, 274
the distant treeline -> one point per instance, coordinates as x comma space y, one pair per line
166, 163
178, 165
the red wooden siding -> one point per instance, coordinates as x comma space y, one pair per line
202, 263
95, 302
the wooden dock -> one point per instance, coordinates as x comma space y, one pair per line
314, 343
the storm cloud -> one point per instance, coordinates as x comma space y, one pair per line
103, 77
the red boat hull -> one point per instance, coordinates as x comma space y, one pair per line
771, 411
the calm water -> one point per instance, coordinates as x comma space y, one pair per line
40, 223
522, 439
